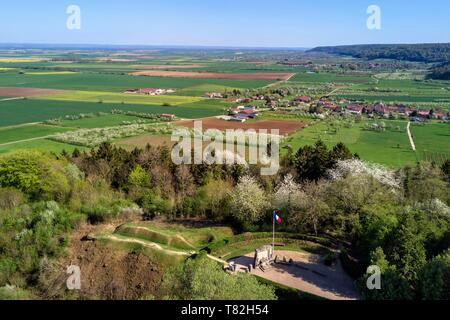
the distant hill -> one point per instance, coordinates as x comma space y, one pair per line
439, 52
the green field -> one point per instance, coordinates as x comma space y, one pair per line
424, 94
12, 134
40, 144
95, 84
32, 110
111, 120
96, 81
432, 141
119, 98
331, 77
389, 148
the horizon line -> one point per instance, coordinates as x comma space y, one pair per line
193, 46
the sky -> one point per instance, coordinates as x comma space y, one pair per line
236, 23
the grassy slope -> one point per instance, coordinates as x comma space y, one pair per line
167, 234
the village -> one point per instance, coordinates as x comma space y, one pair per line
323, 106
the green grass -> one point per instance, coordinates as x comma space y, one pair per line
159, 257
169, 234
31, 110
243, 244
389, 148
114, 82
424, 94
432, 141
331, 77
104, 121
8, 135
40, 144
119, 98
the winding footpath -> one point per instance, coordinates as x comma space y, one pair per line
411, 140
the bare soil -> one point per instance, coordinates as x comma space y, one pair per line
26, 92
142, 141
215, 75
166, 66
107, 274
285, 127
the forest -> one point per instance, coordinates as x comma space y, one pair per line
440, 72
428, 53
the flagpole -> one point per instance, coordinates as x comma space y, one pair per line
273, 242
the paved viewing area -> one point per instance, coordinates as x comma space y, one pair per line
307, 273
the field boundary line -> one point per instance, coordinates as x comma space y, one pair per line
280, 82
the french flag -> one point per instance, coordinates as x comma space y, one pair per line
277, 217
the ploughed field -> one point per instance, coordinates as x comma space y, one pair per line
216, 75
285, 127
26, 92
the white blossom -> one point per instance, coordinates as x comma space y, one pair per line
287, 192
357, 167
248, 200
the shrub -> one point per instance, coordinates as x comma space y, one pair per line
34, 173
435, 278
103, 212
154, 205
10, 198
351, 265
204, 279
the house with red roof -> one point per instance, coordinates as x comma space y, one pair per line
355, 109
304, 99
423, 113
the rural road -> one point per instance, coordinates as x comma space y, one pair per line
10, 99
413, 145
26, 140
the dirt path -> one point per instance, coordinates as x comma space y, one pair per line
179, 237
157, 246
411, 139
147, 244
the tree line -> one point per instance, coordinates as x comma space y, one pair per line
428, 53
